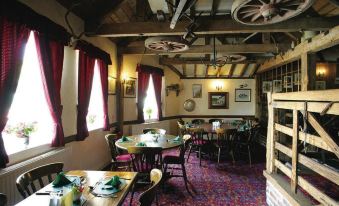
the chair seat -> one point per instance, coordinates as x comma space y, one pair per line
199, 142
169, 159
124, 158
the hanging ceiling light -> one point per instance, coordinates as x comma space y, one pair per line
214, 62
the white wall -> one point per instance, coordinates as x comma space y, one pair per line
208, 85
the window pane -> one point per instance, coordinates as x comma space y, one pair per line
150, 106
95, 116
29, 107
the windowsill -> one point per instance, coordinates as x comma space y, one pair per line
28, 153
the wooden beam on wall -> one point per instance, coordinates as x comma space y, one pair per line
254, 71
209, 26
166, 60
175, 70
119, 95
243, 70
230, 74
206, 49
308, 71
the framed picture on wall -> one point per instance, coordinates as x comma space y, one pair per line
112, 85
288, 83
217, 100
130, 88
277, 86
197, 90
266, 86
242, 95
320, 85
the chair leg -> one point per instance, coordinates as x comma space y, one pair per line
232, 154
219, 153
199, 156
185, 177
249, 155
156, 199
189, 153
130, 202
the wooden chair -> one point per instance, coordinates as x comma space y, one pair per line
147, 197
215, 120
198, 121
182, 129
122, 161
3, 199
197, 141
25, 182
224, 141
178, 160
154, 130
144, 159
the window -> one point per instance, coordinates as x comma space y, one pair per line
95, 116
150, 106
29, 121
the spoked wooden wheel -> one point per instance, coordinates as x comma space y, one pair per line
261, 12
165, 44
231, 58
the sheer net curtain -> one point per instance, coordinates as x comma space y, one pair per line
13, 40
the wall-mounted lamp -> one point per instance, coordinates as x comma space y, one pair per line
321, 74
124, 78
218, 85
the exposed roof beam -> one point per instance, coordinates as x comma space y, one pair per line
177, 13
291, 36
206, 49
243, 70
209, 26
248, 37
254, 71
231, 70
215, 77
175, 70
166, 60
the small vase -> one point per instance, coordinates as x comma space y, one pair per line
26, 140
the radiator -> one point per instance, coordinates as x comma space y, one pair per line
8, 175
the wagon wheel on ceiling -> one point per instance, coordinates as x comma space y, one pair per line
166, 44
231, 58
262, 12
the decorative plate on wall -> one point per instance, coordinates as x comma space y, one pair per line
189, 105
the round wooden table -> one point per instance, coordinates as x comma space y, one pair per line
164, 141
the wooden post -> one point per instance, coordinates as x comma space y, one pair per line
308, 73
294, 180
270, 153
119, 95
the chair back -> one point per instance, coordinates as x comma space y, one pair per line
25, 182
215, 120
144, 159
111, 139
154, 130
180, 121
183, 148
196, 135
3, 199
147, 197
198, 121
182, 129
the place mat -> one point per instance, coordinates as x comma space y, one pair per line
102, 189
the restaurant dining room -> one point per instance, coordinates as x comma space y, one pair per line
169, 102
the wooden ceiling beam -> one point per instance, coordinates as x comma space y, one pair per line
166, 60
207, 49
230, 74
249, 37
209, 26
243, 70
175, 70
177, 13
254, 71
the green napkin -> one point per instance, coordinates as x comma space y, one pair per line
61, 180
124, 139
114, 182
140, 144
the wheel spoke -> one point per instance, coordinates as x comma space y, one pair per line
248, 11
255, 17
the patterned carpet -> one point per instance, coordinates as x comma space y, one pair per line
225, 185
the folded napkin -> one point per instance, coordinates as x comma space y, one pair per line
140, 144
61, 180
124, 139
114, 182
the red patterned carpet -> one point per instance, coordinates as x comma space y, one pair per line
226, 185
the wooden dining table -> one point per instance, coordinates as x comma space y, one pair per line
91, 179
165, 141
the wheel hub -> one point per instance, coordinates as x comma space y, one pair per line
268, 11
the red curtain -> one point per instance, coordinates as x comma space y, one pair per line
143, 81
13, 40
85, 79
157, 82
51, 57
104, 86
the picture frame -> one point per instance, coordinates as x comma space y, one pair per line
288, 82
130, 88
320, 85
266, 86
242, 95
217, 100
197, 90
277, 86
296, 78
112, 81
